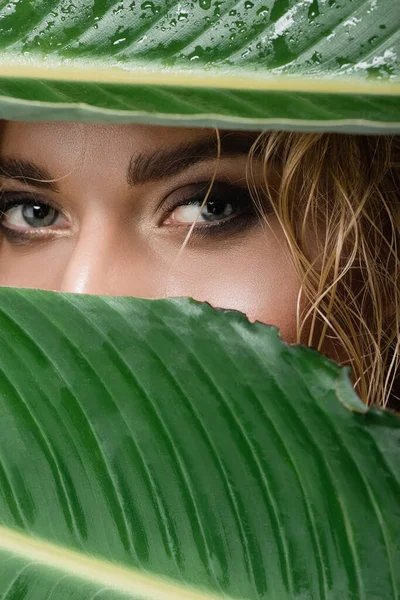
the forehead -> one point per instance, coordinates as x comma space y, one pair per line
23, 137
92, 149
61, 147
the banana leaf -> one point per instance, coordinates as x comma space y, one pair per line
249, 64
153, 449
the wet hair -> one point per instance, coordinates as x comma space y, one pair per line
337, 199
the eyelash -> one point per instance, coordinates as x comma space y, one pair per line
242, 219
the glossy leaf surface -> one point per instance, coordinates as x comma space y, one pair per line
291, 64
163, 449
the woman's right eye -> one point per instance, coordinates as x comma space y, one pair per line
24, 216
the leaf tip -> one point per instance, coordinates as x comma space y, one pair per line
346, 393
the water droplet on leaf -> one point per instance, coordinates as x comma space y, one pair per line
263, 11
316, 58
313, 11
150, 6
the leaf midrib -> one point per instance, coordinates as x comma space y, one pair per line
9, 68
96, 570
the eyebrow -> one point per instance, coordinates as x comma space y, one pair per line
161, 164
27, 172
143, 168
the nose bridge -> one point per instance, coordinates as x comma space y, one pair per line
89, 266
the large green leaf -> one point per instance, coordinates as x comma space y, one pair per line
153, 449
291, 64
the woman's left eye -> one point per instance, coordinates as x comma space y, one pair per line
224, 203
213, 210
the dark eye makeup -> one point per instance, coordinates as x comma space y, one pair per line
229, 207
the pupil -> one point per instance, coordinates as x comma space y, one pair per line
39, 215
216, 207
40, 211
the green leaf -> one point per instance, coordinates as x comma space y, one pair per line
163, 449
261, 64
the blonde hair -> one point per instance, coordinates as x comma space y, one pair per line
337, 200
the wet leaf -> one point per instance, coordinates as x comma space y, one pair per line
286, 64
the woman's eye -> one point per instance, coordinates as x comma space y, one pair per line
32, 215
213, 210
227, 205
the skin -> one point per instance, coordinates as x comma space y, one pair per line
116, 237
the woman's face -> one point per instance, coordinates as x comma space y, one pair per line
105, 210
